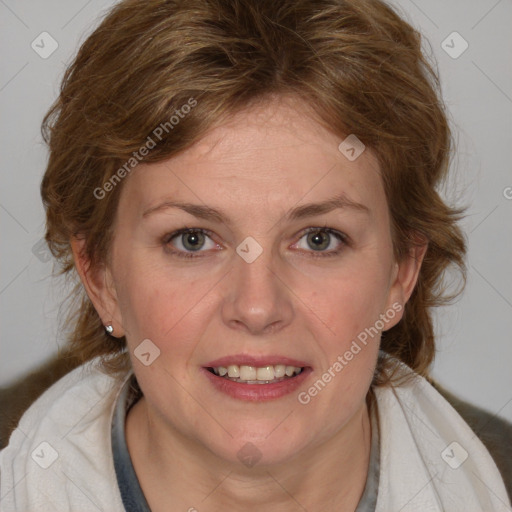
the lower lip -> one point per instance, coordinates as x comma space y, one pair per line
257, 392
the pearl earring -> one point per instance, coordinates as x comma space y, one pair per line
109, 328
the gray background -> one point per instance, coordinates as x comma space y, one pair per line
474, 341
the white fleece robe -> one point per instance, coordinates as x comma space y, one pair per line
60, 456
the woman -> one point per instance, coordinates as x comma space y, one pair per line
247, 191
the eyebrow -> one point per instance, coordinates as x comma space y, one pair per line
340, 201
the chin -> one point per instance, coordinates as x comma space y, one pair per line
263, 448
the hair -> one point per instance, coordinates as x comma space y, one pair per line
356, 63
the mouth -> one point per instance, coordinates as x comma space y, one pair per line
256, 374
256, 378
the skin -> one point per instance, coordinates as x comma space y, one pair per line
183, 435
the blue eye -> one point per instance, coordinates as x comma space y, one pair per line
323, 241
189, 240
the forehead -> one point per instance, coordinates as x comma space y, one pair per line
274, 153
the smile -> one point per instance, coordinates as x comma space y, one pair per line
256, 383
256, 375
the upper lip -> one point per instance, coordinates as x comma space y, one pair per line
258, 361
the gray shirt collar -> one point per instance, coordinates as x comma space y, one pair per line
131, 492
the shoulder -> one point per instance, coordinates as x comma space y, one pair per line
60, 451
433, 422
494, 432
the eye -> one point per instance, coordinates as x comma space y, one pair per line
316, 241
322, 241
187, 241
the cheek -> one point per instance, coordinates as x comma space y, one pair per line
349, 306
165, 307
350, 299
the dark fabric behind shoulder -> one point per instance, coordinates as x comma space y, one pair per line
16, 398
494, 432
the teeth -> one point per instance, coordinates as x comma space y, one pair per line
265, 373
254, 374
289, 371
233, 371
247, 373
279, 370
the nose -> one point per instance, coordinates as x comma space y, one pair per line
256, 298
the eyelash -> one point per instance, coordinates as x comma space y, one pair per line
313, 254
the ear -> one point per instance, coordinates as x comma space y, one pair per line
404, 279
99, 285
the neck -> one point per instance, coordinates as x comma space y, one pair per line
172, 468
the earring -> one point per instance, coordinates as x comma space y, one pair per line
109, 328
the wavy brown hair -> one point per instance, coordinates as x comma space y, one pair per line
356, 63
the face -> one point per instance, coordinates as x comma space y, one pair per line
288, 258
